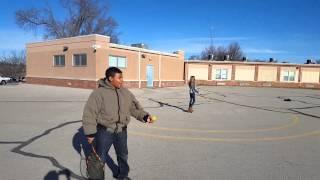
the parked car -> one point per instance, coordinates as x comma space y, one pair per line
4, 80
16, 79
22, 79
13, 79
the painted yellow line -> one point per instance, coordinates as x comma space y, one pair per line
293, 122
311, 133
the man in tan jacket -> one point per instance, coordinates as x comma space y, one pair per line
106, 116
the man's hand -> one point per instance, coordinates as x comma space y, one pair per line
149, 119
90, 139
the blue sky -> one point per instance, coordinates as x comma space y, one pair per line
282, 29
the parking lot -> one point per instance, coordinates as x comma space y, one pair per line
234, 133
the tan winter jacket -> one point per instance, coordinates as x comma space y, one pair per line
111, 108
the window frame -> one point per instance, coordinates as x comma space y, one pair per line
80, 60
59, 65
117, 61
287, 77
220, 70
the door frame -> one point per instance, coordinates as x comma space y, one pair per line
152, 76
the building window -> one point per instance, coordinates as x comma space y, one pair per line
59, 60
117, 61
221, 74
289, 76
79, 59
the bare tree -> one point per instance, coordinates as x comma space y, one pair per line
83, 17
14, 57
211, 50
234, 51
220, 53
194, 57
13, 64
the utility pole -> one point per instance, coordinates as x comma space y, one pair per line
211, 55
211, 36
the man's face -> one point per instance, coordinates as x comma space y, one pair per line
117, 80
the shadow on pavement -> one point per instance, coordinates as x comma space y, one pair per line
54, 175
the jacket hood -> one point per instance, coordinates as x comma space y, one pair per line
105, 84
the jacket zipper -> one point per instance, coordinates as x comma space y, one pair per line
118, 111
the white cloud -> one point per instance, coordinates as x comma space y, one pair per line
193, 45
263, 51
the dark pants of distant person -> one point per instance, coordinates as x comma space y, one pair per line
192, 99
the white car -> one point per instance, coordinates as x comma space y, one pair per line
4, 80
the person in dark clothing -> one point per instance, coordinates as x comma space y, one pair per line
106, 116
192, 91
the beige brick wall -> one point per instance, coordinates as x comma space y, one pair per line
267, 73
40, 61
244, 73
40, 58
200, 71
172, 68
310, 75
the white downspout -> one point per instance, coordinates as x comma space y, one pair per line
160, 70
186, 72
139, 73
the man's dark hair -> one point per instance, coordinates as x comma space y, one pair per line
111, 72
